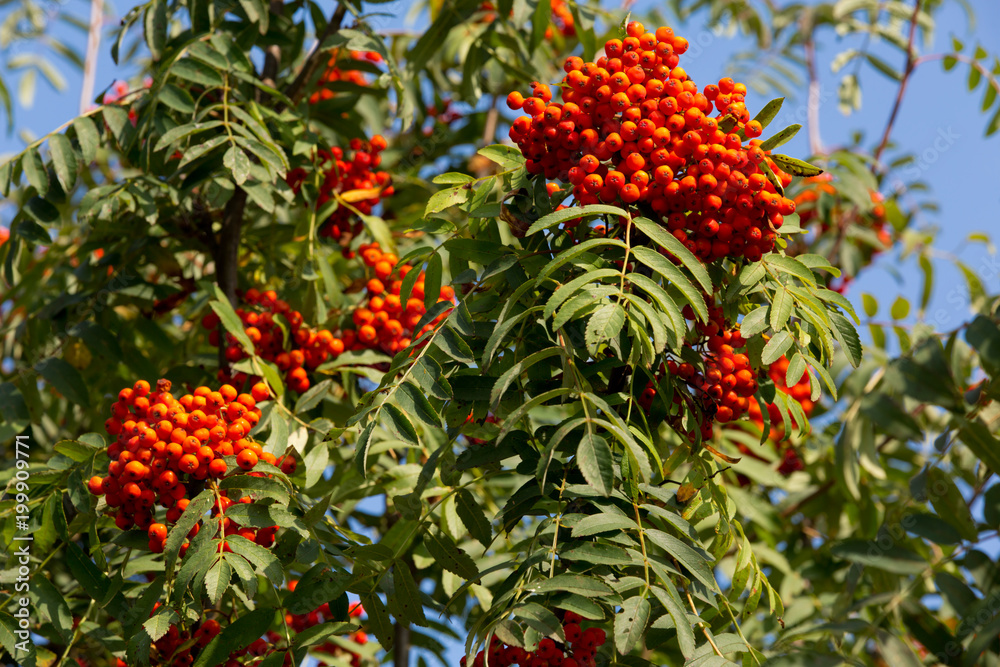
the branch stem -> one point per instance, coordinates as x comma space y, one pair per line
911, 63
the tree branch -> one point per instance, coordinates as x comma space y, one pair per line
911, 62
401, 645
226, 256
272, 56
93, 47
312, 61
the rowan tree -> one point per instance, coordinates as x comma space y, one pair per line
349, 345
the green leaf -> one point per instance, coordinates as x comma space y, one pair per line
631, 622
603, 523
230, 320
217, 580
52, 605
93, 581
35, 170
512, 373
669, 242
319, 585
473, 517
671, 273
768, 113
236, 636
238, 163
540, 22
449, 342
414, 403
795, 166
900, 308
977, 437
847, 336
155, 25
755, 321
405, 601
781, 308
572, 213
65, 379
593, 457
896, 652
192, 515
781, 138
895, 559
695, 561
176, 98
264, 562
671, 601
64, 161
446, 553
41, 210
362, 447
780, 343
378, 619
508, 157
447, 198
949, 503
590, 587
604, 325
196, 72
399, 424
870, 304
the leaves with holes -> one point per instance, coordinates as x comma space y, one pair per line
631, 622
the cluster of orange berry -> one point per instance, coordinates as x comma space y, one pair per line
307, 347
562, 18
350, 179
801, 392
322, 614
722, 387
162, 443
384, 321
634, 128
839, 214
334, 74
579, 650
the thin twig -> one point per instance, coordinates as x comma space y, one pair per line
911, 62
313, 60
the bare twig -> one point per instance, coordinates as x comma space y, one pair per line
911, 62
314, 57
93, 46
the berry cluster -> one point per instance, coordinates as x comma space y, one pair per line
721, 388
633, 128
180, 647
305, 350
322, 614
579, 650
562, 18
385, 322
162, 445
801, 391
838, 215
352, 181
334, 74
